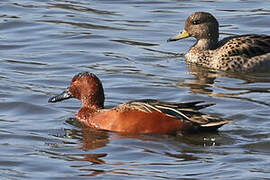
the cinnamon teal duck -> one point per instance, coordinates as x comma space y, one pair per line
136, 117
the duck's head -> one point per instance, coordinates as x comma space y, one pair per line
86, 87
200, 25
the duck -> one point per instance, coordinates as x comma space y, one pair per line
145, 116
239, 53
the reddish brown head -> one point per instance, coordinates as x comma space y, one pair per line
86, 87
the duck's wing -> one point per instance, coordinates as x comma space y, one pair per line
244, 53
188, 112
248, 46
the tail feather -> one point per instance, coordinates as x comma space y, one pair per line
218, 123
187, 112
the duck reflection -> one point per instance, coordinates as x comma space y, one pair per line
91, 139
227, 85
94, 139
203, 82
125, 150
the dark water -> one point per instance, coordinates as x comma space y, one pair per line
45, 42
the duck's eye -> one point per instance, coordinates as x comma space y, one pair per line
196, 22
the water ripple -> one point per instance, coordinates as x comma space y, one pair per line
44, 43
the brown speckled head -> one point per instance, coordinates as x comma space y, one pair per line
202, 25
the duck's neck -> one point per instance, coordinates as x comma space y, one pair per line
86, 113
92, 107
206, 44
93, 102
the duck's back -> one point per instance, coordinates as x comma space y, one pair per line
152, 116
249, 45
243, 53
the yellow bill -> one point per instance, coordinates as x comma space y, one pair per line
184, 34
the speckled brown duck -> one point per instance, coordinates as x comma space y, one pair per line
242, 53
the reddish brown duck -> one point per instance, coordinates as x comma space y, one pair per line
140, 116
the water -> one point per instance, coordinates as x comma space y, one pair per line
45, 42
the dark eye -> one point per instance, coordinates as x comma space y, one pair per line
196, 22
